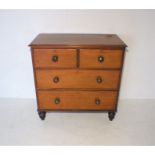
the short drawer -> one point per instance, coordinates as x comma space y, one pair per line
96, 58
97, 79
77, 100
55, 58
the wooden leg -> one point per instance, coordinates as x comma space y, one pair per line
42, 115
111, 115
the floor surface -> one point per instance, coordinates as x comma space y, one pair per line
134, 124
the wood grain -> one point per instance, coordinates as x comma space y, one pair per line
112, 58
66, 58
77, 70
83, 100
77, 41
77, 79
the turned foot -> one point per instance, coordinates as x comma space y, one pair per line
42, 115
111, 115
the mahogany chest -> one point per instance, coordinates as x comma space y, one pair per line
77, 72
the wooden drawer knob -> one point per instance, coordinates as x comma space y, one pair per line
99, 79
55, 58
100, 59
97, 101
56, 79
57, 100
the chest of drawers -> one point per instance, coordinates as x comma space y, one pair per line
77, 72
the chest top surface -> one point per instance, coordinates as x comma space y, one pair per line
78, 41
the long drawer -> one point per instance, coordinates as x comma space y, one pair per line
87, 79
77, 100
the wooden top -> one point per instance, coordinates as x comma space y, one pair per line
77, 41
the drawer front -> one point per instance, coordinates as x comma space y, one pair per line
95, 58
78, 100
98, 79
55, 58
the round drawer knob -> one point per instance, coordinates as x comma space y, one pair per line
57, 100
56, 79
97, 102
99, 79
55, 58
100, 58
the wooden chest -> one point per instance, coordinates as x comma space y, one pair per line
77, 72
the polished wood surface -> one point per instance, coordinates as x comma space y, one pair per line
78, 41
66, 58
112, 59
77, 79
77, 72
84, 100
